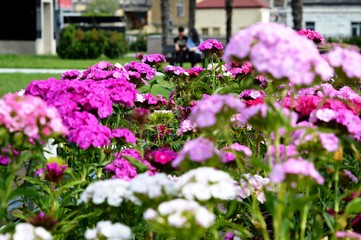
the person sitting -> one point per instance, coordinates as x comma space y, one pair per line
180, 46
192, 44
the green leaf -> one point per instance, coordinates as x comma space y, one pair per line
330, 221
353, 207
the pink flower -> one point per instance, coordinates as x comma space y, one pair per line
228, 153
346, 59
297, 167
124, 133
279, 51
316, 37
348, 235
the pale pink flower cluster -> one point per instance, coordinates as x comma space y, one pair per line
347, 59
254, 184
30, 115
186, 126
297, 167
279, 51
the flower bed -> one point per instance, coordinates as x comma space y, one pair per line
262, 144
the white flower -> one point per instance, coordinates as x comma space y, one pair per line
26, 231
163, 111
116, 231
113, 192
152, 185
205, 183
326, 114
6, 236
140, 98
181, 213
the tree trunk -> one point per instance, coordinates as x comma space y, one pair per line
229, 8
192, 14
296, 6
165, 11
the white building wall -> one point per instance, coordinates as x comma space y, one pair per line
216, 18
330, 21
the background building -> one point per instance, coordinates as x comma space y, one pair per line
211, 15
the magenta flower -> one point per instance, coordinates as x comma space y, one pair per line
197, 150
154, 59
316, 37
195, 71
211, 46
90, 135
140, 72
279, 51
296, 167
161, 156
53, 172
124, 133
237, 69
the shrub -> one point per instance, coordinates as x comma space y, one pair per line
116, 45
140, 45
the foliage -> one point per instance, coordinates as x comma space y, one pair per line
74, 43
140, 45
101, 8
262, 144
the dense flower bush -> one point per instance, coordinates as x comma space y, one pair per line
263, 143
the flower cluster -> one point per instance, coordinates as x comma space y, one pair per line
316, 37
348, 60
228, 153
109, 231
296, 167
197, 150
207, 183
121, 168
152, 186
208, 110
175, 70
180, 214
211, 46
154, 59
31, 116
254, 184
195, 71
139, 72
161, 156
239, 69
270, 50
29, 232
113, 192
187, 126
124, 133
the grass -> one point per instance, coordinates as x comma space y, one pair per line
13, 82
52, 61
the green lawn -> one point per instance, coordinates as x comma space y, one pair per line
52, 62
13, 82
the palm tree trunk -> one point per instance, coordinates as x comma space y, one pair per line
296, 6
165, 11
192, 14
229, 10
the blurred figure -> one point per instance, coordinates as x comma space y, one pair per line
192, 44
180, 43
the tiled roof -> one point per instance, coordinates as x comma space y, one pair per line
236, 4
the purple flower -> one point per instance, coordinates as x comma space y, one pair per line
279, 51
297, 167
197, 150
350, 175
207, 110
124, 133
71, 75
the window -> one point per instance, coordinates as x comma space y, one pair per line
356, 29
216, 31
205, 31
310, 25
180, 8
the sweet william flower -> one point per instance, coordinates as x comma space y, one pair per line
109, 231
53, 172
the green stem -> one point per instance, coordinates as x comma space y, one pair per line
304, 216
